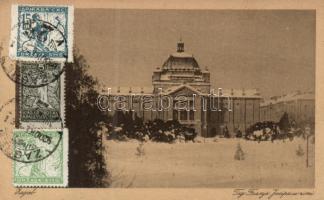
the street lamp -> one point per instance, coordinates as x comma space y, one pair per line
307, 132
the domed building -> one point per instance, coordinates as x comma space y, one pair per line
181, 90
181, 68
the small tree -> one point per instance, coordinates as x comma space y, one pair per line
239, 154
118, 118
300, 151
140, 150
226, 132
284, 123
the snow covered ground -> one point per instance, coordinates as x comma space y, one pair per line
210, 164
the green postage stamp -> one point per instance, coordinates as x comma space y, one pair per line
40, 158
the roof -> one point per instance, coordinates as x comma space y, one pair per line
234, 93
174, 89
240, 93
180, 60
122, 90
182, 55
297, 95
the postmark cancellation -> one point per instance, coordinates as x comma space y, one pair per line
41, 32
44, 103
41, 158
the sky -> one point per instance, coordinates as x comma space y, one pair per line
266, 49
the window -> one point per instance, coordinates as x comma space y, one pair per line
184, 115
191, 115
175, 114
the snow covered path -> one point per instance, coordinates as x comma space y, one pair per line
210, 164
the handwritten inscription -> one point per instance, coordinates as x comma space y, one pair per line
21, 192
268, 194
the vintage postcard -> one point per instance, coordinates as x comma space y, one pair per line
164, 100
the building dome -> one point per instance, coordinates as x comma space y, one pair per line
180, 60
181, 68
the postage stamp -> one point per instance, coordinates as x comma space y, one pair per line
11, 69
41, 31
41, 158
44, 103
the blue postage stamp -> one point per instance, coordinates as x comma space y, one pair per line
41, 33
40, 158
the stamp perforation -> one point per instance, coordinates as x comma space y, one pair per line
37, 123
63, 163
41, 37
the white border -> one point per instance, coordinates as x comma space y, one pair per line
13, 32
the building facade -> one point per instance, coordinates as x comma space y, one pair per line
208, 109
300, 107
